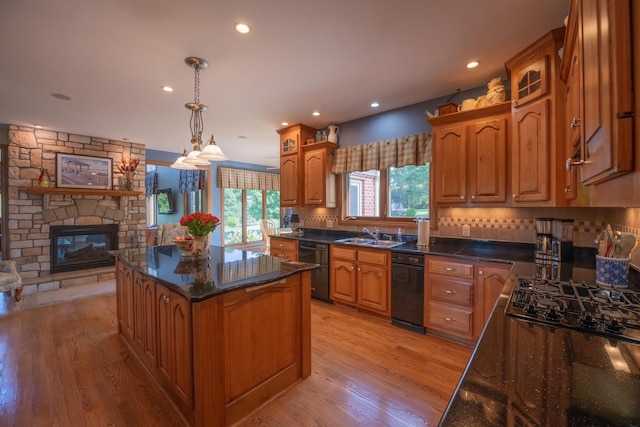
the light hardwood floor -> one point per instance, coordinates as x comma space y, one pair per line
64, 365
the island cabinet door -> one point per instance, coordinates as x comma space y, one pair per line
125, 302
175, 360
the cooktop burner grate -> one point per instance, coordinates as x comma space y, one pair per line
606, 311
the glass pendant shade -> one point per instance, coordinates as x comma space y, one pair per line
194, 158
212, 152
180, 164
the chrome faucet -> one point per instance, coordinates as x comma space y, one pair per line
375, 234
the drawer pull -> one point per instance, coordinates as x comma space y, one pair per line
449, 319
450, 269
449, 291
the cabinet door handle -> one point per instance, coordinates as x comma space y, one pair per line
575, 123
449, 291
450, 269
570, 162
473, 196
480, 272
449, 319
461, 197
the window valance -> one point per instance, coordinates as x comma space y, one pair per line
241, 178
396, 152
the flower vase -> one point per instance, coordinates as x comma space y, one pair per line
128, 180
44, 180
199, 246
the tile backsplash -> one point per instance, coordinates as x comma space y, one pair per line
508, 224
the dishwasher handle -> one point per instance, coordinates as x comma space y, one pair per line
316, 248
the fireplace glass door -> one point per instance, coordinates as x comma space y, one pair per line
82, 247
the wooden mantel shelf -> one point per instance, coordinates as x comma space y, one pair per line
46, 192
79, 191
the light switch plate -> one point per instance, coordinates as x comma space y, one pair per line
466, 230
329, 224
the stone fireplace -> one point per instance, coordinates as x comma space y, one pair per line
32, 216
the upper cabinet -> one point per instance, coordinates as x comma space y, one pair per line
291, 167
470, 152
305, 169
538, 149
607, 126
319, 182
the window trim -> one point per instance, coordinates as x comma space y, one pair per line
382, 221
244, 241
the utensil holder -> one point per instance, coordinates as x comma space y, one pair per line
612, 271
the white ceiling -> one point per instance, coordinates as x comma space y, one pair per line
335, 56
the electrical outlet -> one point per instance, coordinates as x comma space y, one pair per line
329, 224
466, 230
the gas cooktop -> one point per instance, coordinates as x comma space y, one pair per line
600, 310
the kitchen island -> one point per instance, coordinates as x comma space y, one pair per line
221, 336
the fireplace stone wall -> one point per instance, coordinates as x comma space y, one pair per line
30, 217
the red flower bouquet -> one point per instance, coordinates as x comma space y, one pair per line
200, 224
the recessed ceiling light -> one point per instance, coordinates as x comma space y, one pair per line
125, 139
375, 104
242, 27
37, 126
473, 64
316, 113
242, 136
167, 88
284, 124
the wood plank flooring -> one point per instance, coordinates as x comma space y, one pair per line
63, 365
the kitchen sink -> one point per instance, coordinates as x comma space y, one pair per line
363, 241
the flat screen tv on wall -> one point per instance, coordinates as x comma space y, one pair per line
164, 201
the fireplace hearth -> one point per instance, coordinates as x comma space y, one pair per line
82, 247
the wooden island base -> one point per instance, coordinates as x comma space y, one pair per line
221, 358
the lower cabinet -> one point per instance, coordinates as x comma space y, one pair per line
160, 332
361, 277
460, 295
283, 248
175, 364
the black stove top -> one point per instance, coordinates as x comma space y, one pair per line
593, 309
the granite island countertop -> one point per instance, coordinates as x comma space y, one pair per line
224, 270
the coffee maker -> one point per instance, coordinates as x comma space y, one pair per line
554, 248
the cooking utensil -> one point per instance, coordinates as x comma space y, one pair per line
626, 244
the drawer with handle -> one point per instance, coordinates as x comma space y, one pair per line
453, 291
459, 269
450, 319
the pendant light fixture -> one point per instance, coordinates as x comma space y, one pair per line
199, 156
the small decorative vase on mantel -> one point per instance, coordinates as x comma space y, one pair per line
44, 180
128, 180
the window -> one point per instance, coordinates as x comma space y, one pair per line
242, 211
396, 193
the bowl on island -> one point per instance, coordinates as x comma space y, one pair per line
183, 245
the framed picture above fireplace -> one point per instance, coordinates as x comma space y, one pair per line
75, 171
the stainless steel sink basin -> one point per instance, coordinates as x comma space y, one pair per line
363, 241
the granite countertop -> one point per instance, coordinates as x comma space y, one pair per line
225, 269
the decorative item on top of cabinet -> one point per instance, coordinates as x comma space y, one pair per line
470, 150
361, 278
319, 182
291, 172
537, 111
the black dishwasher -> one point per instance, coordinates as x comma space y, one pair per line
316, 253
407, 291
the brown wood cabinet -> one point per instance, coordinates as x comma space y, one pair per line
205, 350
289, 180
470, 152
449, 297
319, 182
361, 277
538, 155
175, 338
460, 295
284, 248
291, 164
607, 127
